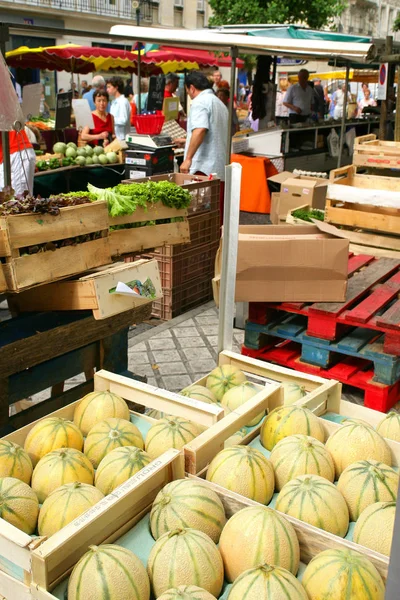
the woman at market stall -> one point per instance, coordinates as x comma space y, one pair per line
120, 107
103, 132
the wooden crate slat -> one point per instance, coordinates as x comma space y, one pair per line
374, 220
125, 241
358, 261
391, 318
31, 229
376, 301
153, 213
358, 285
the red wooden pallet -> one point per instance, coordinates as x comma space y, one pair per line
351, 371
374, 285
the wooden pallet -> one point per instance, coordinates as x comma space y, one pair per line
371, 152
371, 303
17, 232
94, 291
126, 241
351, 371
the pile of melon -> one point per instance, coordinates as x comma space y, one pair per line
349, 478
198, 554
65, 467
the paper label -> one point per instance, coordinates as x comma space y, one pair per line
137, 174
136, 161
306, 191
125, 290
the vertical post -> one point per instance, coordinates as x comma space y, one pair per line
234, 55
5, 140
233, 177
139, 104
274, 83
397, 118
344, 115
384, 105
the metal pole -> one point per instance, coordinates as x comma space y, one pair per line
233, 178
5, 139
384, 105
274, 83
397, 117
344, 115
139, 104
234, 55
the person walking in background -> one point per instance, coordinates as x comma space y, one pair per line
120, 107
84, 87
144, 93
339, 101
298, 98
171, 85
217, 78
224, 94
318, 99
98, 83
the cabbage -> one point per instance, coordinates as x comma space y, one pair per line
112, 157
59, 148
89, 150
98, 150
89, 160
103, 159
72, 145
80, 160
81, 151
70, 152
95, 159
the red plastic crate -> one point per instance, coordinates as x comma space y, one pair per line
149, 124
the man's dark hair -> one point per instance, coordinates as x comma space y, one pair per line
197, 80
171, 78
118, 83
225, 92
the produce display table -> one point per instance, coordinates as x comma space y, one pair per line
41, 350
75, 179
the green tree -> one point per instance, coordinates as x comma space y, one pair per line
314, 13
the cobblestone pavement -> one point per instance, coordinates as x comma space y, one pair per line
178, 352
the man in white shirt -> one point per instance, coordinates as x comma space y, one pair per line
217, 77
207, 129
298, 98
120, 107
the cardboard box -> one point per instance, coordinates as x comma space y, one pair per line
296, 190
289, 263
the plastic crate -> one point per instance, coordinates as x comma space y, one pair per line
149, 124
140, 163
183, 298
197, 263
204, 191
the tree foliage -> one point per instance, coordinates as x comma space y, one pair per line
314, 13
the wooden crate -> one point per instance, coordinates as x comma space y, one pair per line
21, 231
371, 152
200, 452
94, 291
295, 220
347, 197
3, 283
126, 241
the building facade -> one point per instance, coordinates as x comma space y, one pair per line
370, 17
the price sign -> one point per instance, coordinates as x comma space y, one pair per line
156, 93
382, 82
63, 110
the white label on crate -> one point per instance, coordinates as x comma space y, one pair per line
137, 174
136, 161
306, 191
125, 290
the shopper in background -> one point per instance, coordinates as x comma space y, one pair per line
171, 85
144, 93
23, 162
298, 98
120, 107
223, 94
361, 92
98, 83
128, 91
340, 95
281, 111
84, 87
366, 101
103, 132
318, 99
217, 78
263, 96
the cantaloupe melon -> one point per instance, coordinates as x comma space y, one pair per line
239, 395
267, 582
257, 535
300, 455
65, 465
292, 392
49, 434
18, 504
316, 501
169, 432
186, 592
65, 504
185, 557
389, 427
223, 378
244, 470
96, 407
289, 420
199, 392
187, 503
374, 527
118, 466
108, 435
109, 571
366, 482
342, 574
15, 462
355, 441
236, 438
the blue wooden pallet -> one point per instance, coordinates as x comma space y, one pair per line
362, 343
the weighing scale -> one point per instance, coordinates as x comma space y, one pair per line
138, 141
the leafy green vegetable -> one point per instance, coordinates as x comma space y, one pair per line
307, 215
172, 195
42, 165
